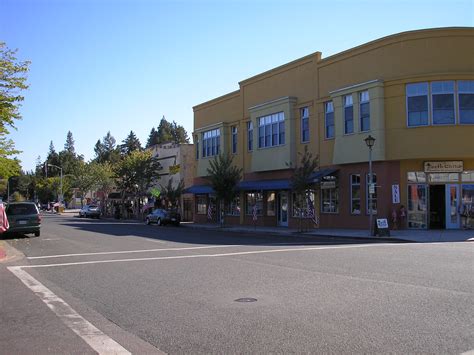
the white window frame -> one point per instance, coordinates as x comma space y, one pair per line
211, 143
347, 98
304, 114
268, 123
352, 196
249, 136
334, 192
363, 100
463, 91
374, 177
428, 97
234, 139
328, 109
443, 92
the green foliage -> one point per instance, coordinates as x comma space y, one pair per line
167, 133
179, 134
69, 145
12, 82
136, 172
84, 178
172, 194
224, 176
152, 138
17, 197
106, 150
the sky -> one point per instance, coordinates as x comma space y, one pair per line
121, 65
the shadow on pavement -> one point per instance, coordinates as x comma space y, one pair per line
190, 235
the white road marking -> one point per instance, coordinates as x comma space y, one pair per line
88, 332
51, 239
208, 255
127, 251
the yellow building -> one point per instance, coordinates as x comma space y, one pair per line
413, 92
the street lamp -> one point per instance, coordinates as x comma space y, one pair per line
370, 141
61, 181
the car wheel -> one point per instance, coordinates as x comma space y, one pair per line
37, 234
147, 221
158, 222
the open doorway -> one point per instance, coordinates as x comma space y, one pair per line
437, 207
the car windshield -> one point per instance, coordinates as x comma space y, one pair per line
21, 208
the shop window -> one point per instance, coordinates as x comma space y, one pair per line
249, 136
443, 177
330, 200
271, 130
304, 113
301, 206
374, 193
251, 199
466, 101
234, 139
417, 104
348, 115
417, 206
201, 201
355, 193
467, 176
329, 119
364, 111
416, 176
233, 209
467, 206
442, 95
271, 204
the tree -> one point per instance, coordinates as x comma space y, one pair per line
152, 138
69, 145
130, 144
53, 159
12, 82
172, 194
105, 182
84, 179
106, 151
179, 134
135, 173
224, 176
300, 181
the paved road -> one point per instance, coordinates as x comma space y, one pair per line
149, 288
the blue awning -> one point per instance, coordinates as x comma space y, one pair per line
199, 189
264, 185
318, 175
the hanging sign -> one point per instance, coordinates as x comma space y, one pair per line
455, 166
174, 169
328, 185
395, 193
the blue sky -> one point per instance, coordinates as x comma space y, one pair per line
121, 65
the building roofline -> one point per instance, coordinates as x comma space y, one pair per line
217, 100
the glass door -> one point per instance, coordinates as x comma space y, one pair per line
417, 206
283, 208
452, 206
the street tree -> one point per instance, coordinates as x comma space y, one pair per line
301, 180
84, 179
12, 83
105, 181
224, 176
172, 194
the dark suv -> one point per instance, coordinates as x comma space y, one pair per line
23, 217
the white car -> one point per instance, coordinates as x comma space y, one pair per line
91, 211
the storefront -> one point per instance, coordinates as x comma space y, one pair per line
441, 196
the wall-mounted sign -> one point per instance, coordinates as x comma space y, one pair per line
174, 169
395, 193
328, 185
455, 166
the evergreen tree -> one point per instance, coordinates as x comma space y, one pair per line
152, 138
69, 146
53, 159
179, 134
164, 132
130, 144
106, 151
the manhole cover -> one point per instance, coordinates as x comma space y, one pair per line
246, 299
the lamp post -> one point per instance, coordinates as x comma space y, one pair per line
60, 183
370, 141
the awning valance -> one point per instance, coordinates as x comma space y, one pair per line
318, 175
199, 189
264, 185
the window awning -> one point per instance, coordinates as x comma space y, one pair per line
264, 185
199, 189
318, 175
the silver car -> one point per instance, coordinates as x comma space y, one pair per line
161, 216
91, 211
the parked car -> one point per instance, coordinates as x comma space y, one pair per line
91, 211
161, 216
24, 218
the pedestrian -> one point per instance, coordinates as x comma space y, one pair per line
394, 219
403, 216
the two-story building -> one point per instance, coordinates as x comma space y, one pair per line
413, 92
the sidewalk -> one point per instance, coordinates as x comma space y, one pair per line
411, 235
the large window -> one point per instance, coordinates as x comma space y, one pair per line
417, 104
233, 209
329, 119
197, 147
252, 199
355, 194
466, 102
234, 139
301, 205
271, 203
304, 113
442, 93
374, 193
211, 143
249, 136
348, 115
330, 200
364, 111
271, 130
201, 202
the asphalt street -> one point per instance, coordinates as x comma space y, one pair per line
175, 290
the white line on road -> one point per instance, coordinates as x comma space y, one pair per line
97, 340
209, 255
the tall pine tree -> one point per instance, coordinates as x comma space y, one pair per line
130, 144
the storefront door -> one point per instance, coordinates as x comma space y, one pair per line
437, 207
452, 206
283, 208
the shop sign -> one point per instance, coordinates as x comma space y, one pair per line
174, 169
395, 194
455, 166
381, 228
328, 185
